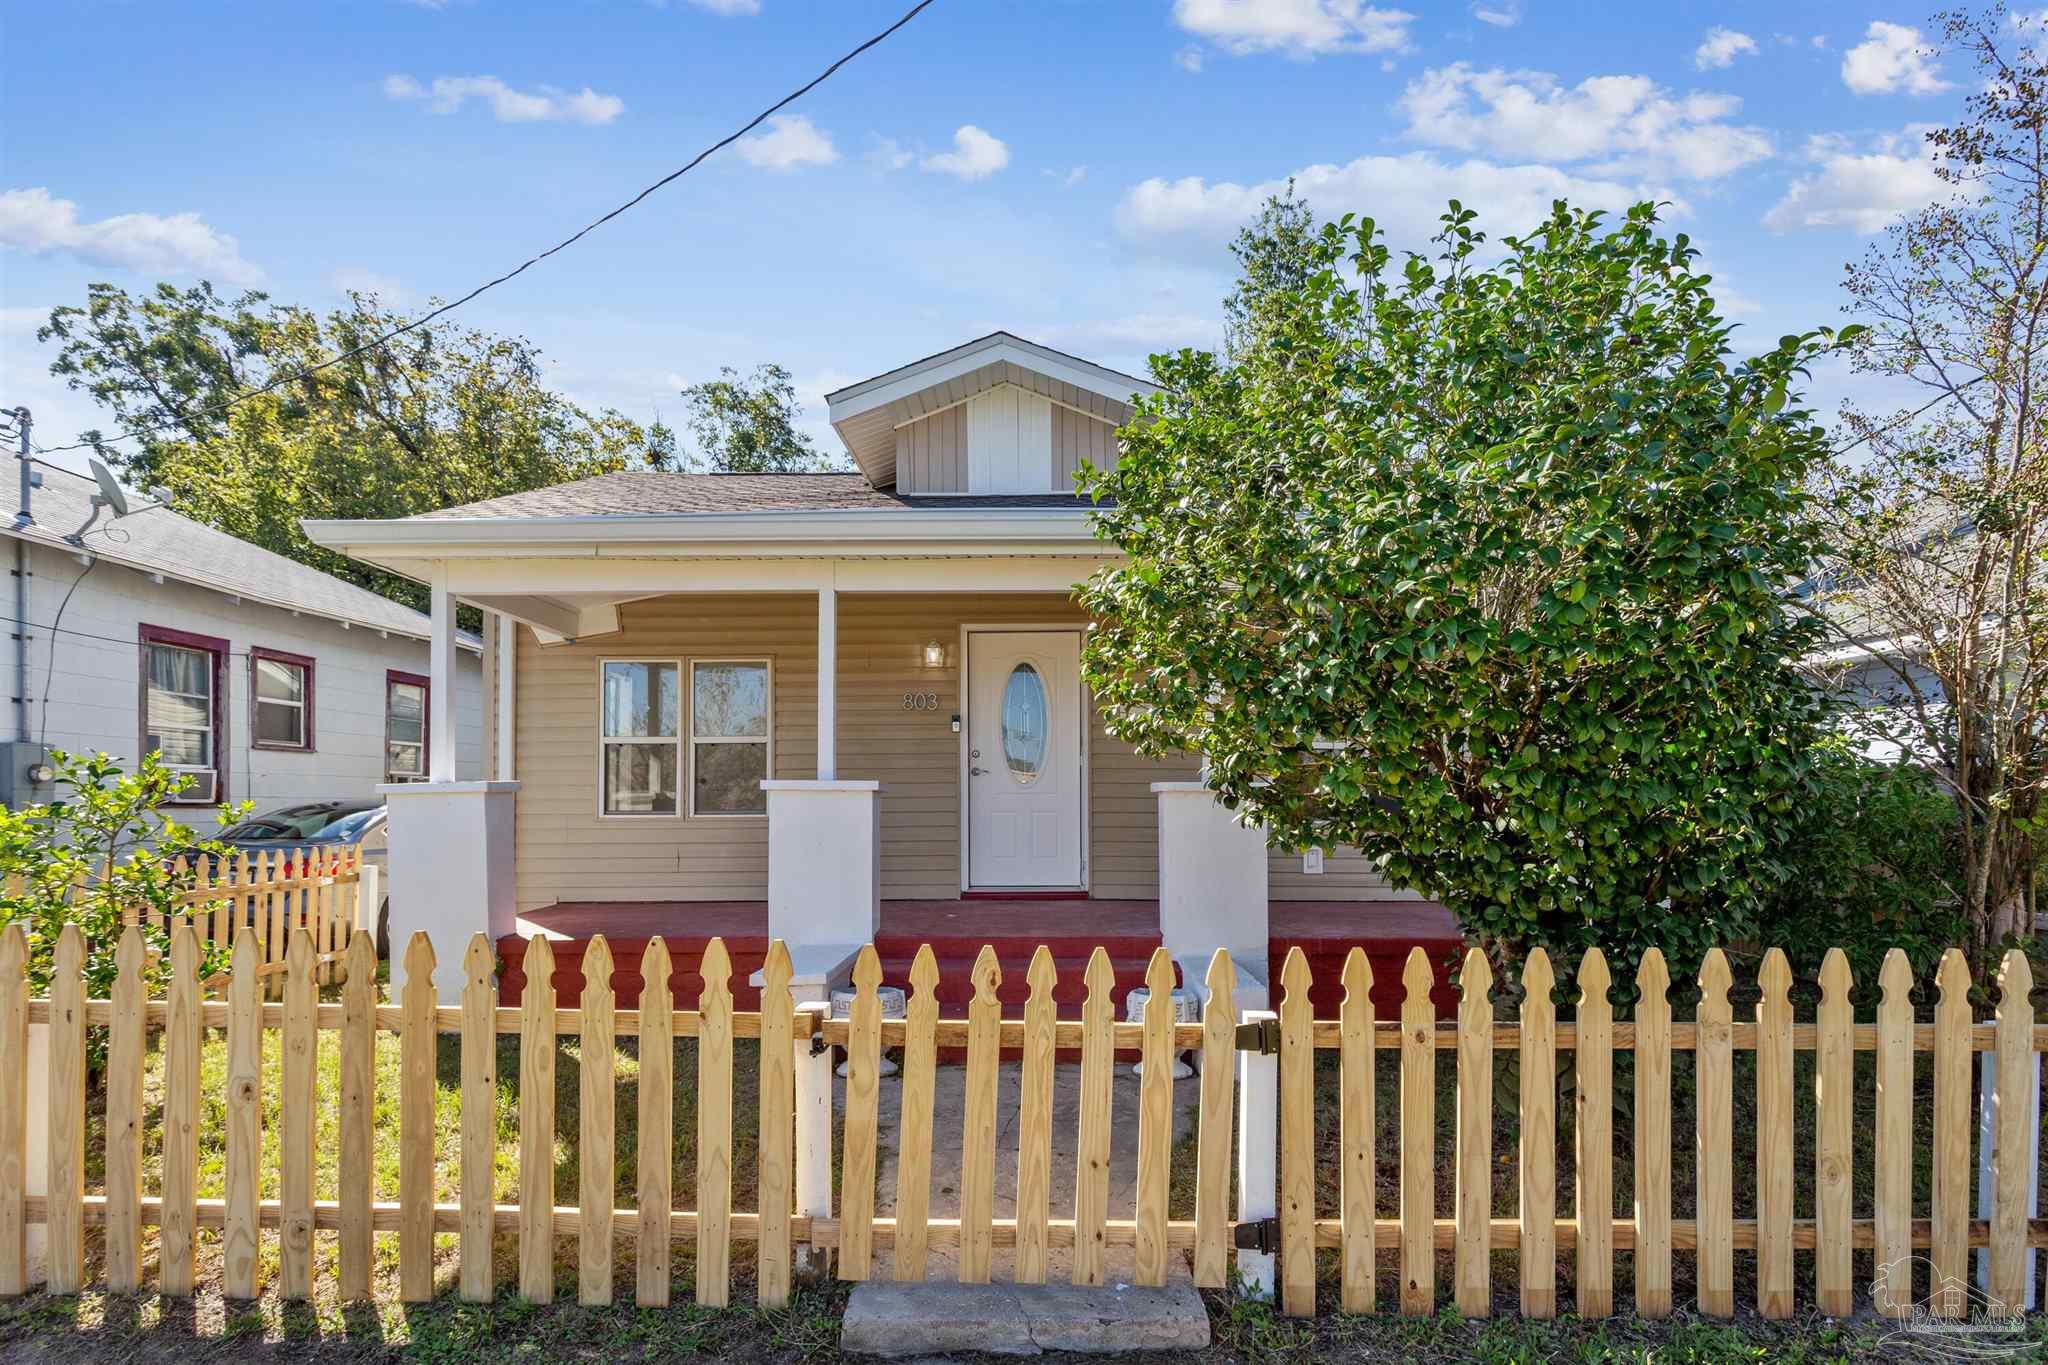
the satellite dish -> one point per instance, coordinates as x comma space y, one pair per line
110, 495
110, 490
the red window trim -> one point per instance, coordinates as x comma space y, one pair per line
426, 686
165, 635
257, 653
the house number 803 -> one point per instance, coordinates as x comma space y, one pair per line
920, 701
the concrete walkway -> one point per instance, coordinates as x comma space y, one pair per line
949, 1103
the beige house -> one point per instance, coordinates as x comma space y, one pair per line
802, 705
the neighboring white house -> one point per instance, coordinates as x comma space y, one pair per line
270, 681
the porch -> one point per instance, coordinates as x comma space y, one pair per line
1072, 927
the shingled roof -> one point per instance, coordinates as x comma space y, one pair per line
651, 493
154, 539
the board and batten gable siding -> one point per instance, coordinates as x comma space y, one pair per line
1023, 415
90, 670
1079, 440
931, 455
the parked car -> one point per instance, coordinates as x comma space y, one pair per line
318, 825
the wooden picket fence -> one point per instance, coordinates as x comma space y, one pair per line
266, 895
1246, 1061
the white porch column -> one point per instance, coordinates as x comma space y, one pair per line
451, 871
508, 695
442, 674
824, 876
828, 683
1212, 887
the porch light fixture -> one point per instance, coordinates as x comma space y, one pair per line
935, 655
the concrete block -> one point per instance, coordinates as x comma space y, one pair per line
934, 1317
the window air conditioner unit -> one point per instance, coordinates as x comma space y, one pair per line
205, 786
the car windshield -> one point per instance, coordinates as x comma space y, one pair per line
305, 822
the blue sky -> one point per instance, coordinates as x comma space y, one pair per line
1069, 171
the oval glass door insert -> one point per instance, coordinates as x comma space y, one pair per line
1024, 724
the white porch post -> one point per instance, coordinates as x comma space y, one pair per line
508, 695
441, 672
450, 858
828, 683
1212, 888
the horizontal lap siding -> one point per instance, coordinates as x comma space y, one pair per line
566, 850
1347, 875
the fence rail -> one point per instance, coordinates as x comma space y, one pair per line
1244, 1057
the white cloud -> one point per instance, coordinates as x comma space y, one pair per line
1862, 189
1404, 194
1890, 59
791, 141
729, 9
167, 244
1069, 178
1297, 28
1499, 13
1721, 47
1626, 125
1189, 59
976, 155
887, 154
544, 104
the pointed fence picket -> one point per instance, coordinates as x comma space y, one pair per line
1142, 1240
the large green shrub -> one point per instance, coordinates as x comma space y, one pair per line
1868, 864
104, 848
1481, 565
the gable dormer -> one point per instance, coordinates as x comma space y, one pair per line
1000, 415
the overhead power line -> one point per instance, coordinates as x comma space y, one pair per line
530, 261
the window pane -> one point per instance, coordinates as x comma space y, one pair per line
277, 681
641, 700
184, 748
405, 714
640, 779
279, 723
730, 700
173, 668
169, 711
728, 779
1024, 728
404, 760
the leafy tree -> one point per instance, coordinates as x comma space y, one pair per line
1482, 569
439, 416
105, 849
746, 424
1276, 254
1935, 578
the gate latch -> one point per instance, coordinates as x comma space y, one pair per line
1261, 1036
1261, 1235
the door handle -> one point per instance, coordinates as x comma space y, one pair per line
976, 772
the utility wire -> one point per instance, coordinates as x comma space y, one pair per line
530, 261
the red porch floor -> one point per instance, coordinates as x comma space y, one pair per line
1128, 930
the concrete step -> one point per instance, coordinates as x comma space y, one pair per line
931, 1318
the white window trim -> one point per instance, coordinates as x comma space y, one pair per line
682, 668
692, 740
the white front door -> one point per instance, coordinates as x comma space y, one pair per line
1024, 774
